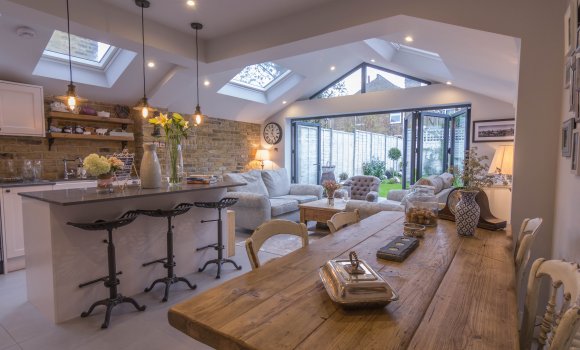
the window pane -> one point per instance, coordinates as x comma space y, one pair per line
81, 48
260, 76
350, 85
379, 80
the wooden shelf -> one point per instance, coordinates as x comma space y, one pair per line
52, 136
89, 137
89, 118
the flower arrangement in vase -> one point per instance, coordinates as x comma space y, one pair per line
176, 129
330, 186
104, 169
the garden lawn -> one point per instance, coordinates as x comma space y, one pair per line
385, 187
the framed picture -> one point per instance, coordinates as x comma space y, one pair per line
494, 130
575, 154
567, 129
570, 25
568, 73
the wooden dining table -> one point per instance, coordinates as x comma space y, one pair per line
454, 293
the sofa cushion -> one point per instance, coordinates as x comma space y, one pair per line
282, 206
299, 198
434, 181
277, 182
447, 180
253, 179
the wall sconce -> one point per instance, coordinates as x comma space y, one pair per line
262, 155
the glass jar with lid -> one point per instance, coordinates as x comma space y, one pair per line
421, 206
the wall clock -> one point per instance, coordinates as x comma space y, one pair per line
272, 133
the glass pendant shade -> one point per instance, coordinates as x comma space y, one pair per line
197, 116
144, 108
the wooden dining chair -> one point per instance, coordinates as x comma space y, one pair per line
526, 238
340, 220
559, 324
270, 229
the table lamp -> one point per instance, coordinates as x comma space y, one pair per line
503, 162
262, 155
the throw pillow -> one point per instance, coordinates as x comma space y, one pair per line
447, 180
253, 180
277, 182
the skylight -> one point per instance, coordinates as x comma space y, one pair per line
83, 51
260, 76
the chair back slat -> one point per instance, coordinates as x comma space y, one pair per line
557, 329
340, 220
268, 230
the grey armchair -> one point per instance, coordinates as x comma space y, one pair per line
363, 187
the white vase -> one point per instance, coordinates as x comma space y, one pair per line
150, 167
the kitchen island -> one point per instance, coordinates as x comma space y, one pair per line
59, 257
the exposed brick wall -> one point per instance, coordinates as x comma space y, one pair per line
217, 146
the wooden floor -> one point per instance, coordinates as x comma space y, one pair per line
455, 293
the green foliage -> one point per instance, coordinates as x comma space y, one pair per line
394, 154
474, 175
343, 176
375, 167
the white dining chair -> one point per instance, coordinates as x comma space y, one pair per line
340, 220
560, 323
269, 229
526, 238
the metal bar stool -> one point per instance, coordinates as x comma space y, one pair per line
219, 246
168, 262
110, 281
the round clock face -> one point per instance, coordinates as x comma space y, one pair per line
452, 200
272, 133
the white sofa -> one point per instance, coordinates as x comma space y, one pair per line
442, 185
268, 194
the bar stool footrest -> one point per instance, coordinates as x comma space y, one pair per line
102, 279
161, 261
219, 263
214, 246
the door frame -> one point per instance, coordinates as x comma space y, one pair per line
294, 143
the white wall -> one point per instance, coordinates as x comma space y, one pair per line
483, 107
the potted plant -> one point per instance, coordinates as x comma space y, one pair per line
473, 177
104, 169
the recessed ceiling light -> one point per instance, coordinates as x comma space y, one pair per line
206, 83
190, 3
372, 60
409, 39
284, 102
449, 83
332, 67
151, 64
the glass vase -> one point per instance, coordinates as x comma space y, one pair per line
174, 162
105, 183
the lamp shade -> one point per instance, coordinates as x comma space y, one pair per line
262, 154
503, 161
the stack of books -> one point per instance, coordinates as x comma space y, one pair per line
201, 179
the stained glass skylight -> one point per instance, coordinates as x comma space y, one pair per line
83, 50
260, 76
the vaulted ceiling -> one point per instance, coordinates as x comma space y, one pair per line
237, 34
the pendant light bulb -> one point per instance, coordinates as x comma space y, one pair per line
72, 103
143, 106
145, 112
197, 116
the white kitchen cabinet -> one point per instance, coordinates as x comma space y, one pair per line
21, 109
12, 224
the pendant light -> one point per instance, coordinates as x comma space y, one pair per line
143, 105
70, 98
197, 116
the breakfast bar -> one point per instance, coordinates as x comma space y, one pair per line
59, 256
454, 293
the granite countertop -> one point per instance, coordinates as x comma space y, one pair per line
26, 183
90, 195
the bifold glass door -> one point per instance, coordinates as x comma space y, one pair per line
434, 142
306, 148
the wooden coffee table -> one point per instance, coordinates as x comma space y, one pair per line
320, 211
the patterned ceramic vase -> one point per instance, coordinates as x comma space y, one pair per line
467, 213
